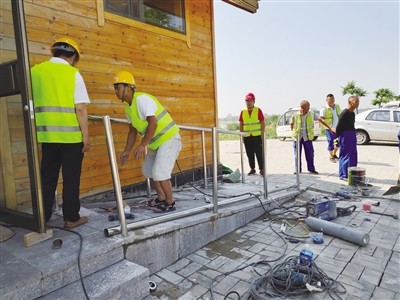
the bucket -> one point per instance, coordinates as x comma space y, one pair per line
356, 176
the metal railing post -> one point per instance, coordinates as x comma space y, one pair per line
264, 147
115, 175
203, 143
215, 171
298, 147
241, 157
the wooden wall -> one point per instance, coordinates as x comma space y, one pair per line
177, 69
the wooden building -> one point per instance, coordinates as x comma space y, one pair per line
168, 45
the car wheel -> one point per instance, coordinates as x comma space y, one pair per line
315, 138
362, 137
282, 139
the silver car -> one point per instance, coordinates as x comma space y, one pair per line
380, 124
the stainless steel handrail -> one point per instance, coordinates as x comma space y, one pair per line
123, 228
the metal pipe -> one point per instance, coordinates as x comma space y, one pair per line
170, 217
241, 158
115, 175
215, 171
153, 221
203, 143
264, 147
298, 161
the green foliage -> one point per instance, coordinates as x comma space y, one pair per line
352, 89
383, 96
232, 127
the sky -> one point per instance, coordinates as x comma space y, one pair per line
293, 50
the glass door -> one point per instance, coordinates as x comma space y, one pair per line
20, 199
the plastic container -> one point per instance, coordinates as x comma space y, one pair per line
306, 256
366, 206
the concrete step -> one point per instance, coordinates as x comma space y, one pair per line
123, 280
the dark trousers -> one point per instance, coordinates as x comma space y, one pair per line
253, 146
68, 157
348, 156
309, 152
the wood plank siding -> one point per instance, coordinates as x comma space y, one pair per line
176, 68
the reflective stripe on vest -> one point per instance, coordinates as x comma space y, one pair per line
166, 127
309, 126
55, 116
329, 115
251, 123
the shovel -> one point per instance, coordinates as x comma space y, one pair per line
393, 189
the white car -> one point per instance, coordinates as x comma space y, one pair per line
380, 124
283, 130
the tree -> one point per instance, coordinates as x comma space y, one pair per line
352, 89
382, 96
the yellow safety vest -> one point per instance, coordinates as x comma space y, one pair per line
53, 86
166, 127
329, 114
309, 126
251, 123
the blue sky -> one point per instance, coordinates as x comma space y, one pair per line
294, 50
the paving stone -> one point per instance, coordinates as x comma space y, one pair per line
210, 273
194, 293
218, 262
225, 285
369, 262
198, 259
189, 269
241, 288
170, 276
363, 286
183, 262
203, 252
390, 282
371, 276
329, 252
345, 254
352, 270
380, 294
200, 279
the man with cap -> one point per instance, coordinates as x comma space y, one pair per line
251, 121
160, 135
60, 98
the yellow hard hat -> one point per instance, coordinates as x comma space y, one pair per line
124, 77
66, 44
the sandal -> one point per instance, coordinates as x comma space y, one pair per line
154, 202
165, 207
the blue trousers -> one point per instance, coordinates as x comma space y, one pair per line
348, 152
330, 137
309, 152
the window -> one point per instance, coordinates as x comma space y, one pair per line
396, 116
167, 14
383, 115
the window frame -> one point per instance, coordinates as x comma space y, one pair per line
105, 15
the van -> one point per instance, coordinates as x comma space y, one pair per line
392, 104
283, 130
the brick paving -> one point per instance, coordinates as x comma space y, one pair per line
366, 272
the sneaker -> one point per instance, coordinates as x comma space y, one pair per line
72, 224
262, 172
335, 157
332, 159
313, 172
252, 172
343, 178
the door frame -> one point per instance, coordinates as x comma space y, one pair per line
34, 221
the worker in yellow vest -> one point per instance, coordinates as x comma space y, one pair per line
60, 98
302, 124
330, 114
251, 121
160, 135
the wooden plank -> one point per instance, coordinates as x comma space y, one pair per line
33, 238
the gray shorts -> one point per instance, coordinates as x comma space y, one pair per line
159, 163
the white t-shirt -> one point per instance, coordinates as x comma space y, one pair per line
146, 107
335, 117
80, 93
